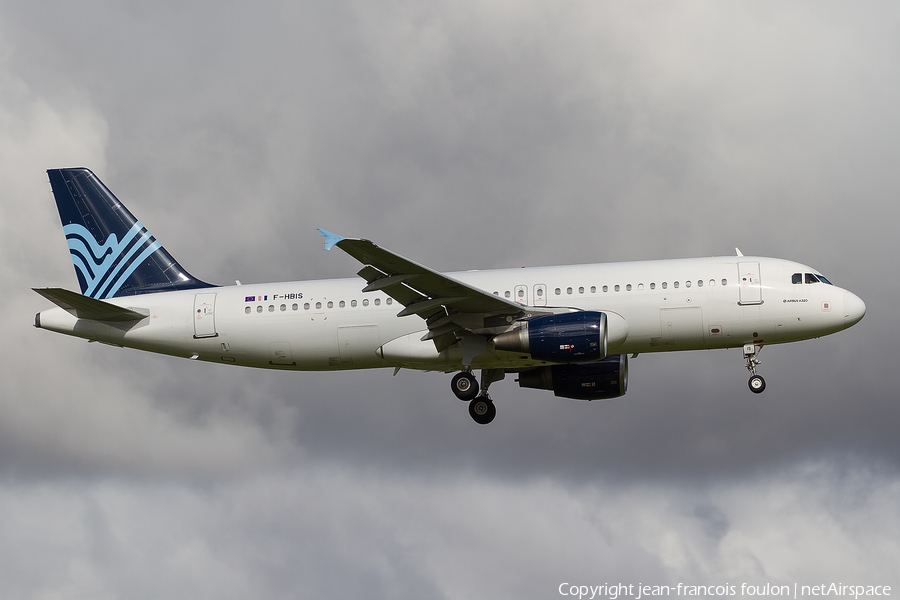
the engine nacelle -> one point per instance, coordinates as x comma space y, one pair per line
601, 380
570, 337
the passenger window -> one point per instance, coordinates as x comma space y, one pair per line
342, 304
617, 287
797, 278
724, 282
540, 291
247, 310
628, 288
569, 291
506, 294
366, 302
687, 283
664, 285
259, 308
294, 306
283, 307
557, 291
699, 283
306, 306
389, 301
605, 288
271, 308
330, 304
353, 304
676, 285
521, 293
318, 305
652, 286
581, 290
593, 289
712, 283
640, 286
377, 301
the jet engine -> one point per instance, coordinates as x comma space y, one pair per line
601, 380
565, 338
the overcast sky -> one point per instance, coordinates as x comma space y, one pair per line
463, 135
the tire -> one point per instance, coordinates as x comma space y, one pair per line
482, 410
464, 386
757, 384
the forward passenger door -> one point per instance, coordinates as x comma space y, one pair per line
748, 279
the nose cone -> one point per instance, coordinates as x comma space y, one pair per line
854, 309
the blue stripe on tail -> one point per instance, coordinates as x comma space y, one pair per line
114, 255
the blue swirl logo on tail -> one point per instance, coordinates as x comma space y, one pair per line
105, 267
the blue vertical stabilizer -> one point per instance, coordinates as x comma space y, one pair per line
114, 255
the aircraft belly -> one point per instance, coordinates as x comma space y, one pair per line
302, 346
358, 346
681, 327
310, 341
410, 351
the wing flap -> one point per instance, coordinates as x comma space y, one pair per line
388, 281
401, 293
423, 307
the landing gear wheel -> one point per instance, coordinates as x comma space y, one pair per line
757, 384
464, 385
482, 410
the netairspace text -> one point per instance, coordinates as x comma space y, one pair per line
612, 591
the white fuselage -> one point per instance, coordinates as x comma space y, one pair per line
652, 306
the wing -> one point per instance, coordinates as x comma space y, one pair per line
448, 305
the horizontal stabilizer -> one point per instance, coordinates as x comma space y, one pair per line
85, 307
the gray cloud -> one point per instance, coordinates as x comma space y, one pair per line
464, 136
443, 537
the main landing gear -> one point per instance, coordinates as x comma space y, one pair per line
465, 387
757, 383
482, 410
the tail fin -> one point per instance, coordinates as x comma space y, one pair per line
114, 255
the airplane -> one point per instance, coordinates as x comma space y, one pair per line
566, 329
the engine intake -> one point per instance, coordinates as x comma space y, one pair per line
601, 380
570, 337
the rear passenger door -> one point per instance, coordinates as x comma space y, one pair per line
204, 315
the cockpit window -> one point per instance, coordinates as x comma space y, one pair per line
809, 278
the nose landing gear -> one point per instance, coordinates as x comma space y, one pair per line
757, 383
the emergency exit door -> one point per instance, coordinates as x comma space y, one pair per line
521, 292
